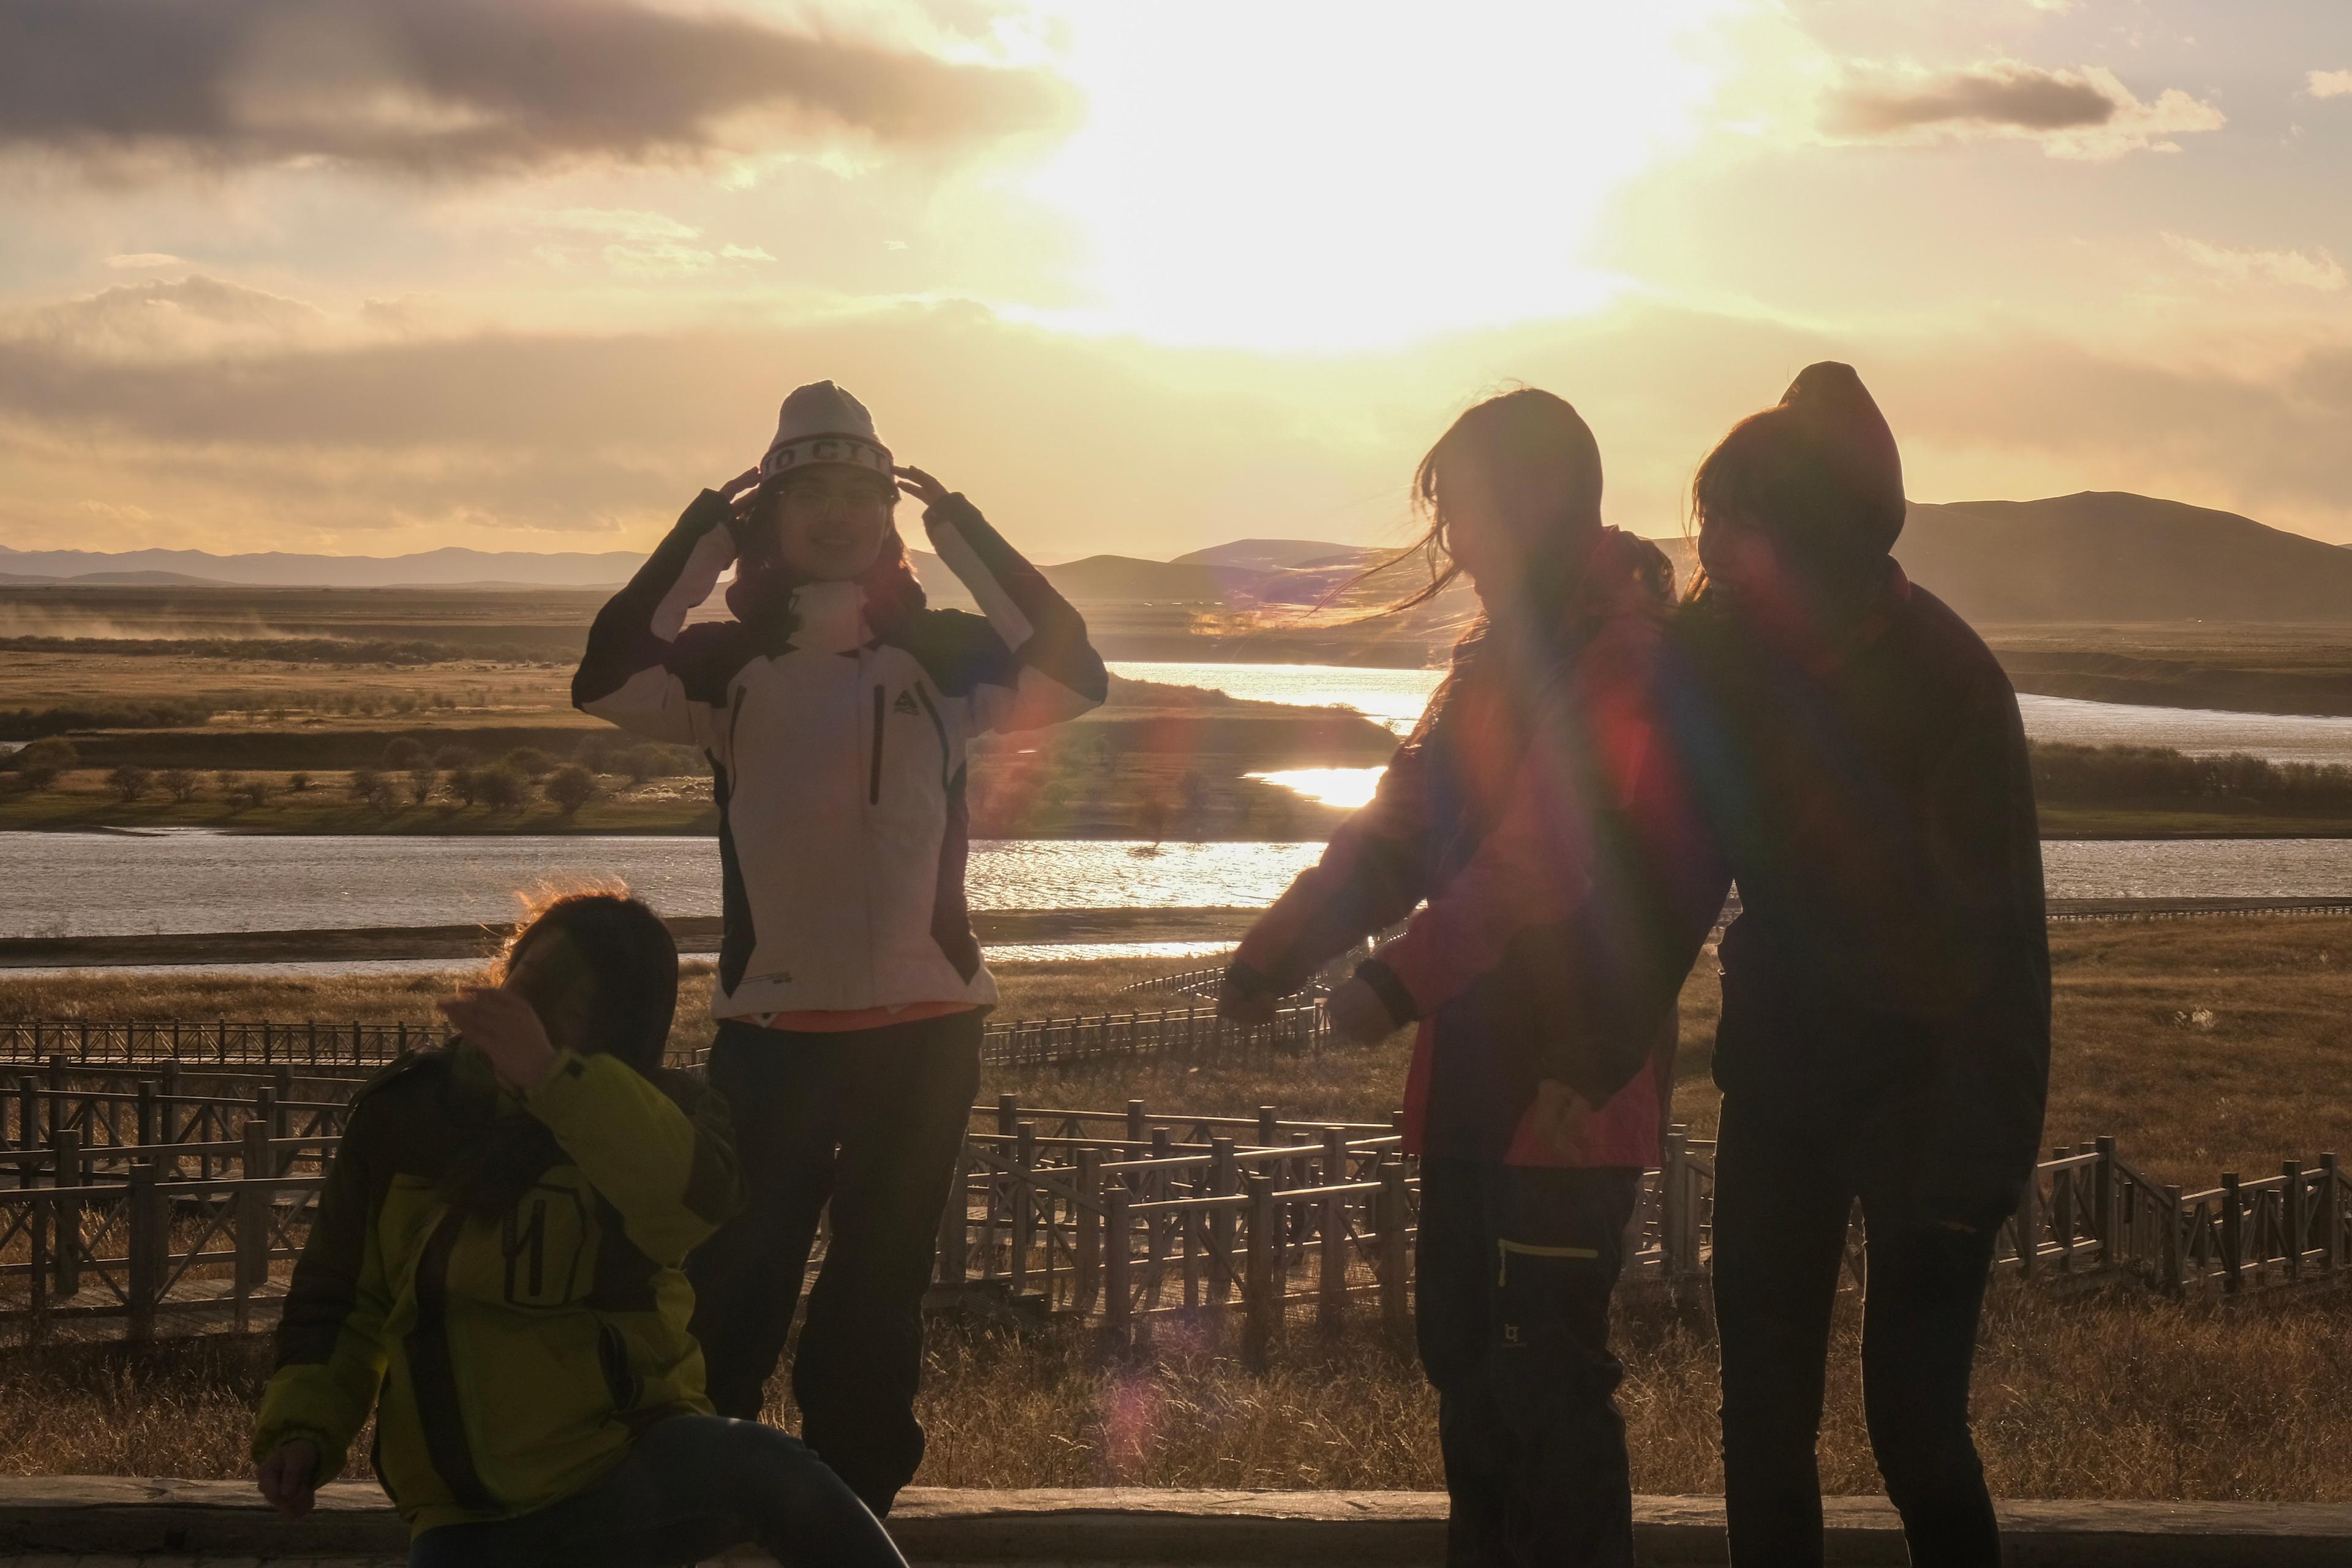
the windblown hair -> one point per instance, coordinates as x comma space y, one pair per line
1544, 466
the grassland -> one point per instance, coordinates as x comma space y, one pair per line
2120, 1395
2246, 668
2202, 1045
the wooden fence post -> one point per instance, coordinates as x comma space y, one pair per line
2331, 1215
43, 1220
1008, 1112
2293, 1215
65, 1144
143, 1280
1673, 1201
1395, 1307
253, 1201
2029, 1225
1269, 1130
1116, 1300
2175, 1261
1331, 1258
1225, 1180
2107, 1200
1262, 1287
1086, 1286
1024, 1202
2234, 1237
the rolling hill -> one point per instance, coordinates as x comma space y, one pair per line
2100, 556
2108, 556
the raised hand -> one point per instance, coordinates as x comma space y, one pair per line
503, 1027
921, 486
289, 1479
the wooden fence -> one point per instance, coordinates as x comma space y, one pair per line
313, 1044
128, 1197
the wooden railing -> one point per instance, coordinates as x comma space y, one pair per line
128, 1196
311, 1045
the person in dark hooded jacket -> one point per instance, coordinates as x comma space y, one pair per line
1885, 1027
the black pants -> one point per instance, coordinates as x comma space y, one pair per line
1784, 1188
691, 1487
871, 1121
1516, 1266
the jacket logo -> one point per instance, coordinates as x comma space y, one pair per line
906, 704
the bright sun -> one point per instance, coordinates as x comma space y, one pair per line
1319, 175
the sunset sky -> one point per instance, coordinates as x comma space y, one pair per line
373, 275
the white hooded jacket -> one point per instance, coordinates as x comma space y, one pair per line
838, 759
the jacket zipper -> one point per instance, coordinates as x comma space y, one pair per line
874, 780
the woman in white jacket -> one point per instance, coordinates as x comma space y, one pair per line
836, 710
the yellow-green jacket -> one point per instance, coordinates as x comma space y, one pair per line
510, 1357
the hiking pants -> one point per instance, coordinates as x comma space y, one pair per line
691, 1487
1784, 1188
1515, 1267
871, 1121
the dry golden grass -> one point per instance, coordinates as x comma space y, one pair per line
2119, 1397
2112, 1396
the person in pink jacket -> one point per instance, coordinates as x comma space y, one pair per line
1552, 842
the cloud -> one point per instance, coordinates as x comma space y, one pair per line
142, 259
2288, 268
193, 318
442, 439
460, 86
2328, 84
2087, 114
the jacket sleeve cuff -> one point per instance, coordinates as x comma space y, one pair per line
1389, 988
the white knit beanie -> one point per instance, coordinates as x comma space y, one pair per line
820, 423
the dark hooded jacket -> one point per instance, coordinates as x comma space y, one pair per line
1867, 779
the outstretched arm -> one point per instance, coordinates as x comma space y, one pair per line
1372, 873
634, 672
1052, 671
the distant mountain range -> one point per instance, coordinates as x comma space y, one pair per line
2096, 556
451, 568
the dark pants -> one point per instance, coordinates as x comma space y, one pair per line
872, 1122
1784, 1188
691, 1487
1515, 1267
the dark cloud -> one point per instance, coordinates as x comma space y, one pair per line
2023, 97
463, 86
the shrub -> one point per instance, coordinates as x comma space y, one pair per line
639, 763
229, 781
129, 782
595, 752
298, 783
528, 761
251, 795
384, 795
40, 762
571, 787
180, 783
450, 758
464, 784
362, 783
501, 787
402, 752
423, 779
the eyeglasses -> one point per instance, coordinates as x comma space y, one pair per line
807, 499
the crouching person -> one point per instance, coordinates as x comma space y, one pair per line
494, 1270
